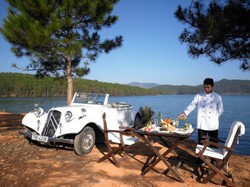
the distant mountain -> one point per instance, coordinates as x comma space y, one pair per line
233, 86
223, 86
26, 85
172, 89
143, 85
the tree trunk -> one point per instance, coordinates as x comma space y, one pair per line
69, 81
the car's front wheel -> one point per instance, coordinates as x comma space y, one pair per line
84, 141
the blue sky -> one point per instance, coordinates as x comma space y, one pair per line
151, 51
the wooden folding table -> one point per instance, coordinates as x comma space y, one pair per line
177, 136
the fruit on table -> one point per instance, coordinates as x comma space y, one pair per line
168, 124
175, 122
148, 127
167, 128
169, 121
166, 121
187, 126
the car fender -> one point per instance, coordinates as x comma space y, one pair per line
76, 125
35, 123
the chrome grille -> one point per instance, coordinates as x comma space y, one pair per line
52, 123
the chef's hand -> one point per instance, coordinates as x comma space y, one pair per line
182, 116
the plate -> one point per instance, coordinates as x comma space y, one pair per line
151, 130
182, 131
167, 129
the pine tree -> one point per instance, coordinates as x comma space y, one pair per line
61, 37
217, 29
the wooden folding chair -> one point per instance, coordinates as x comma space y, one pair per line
122, 138
220, 154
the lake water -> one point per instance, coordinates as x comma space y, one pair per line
236, 107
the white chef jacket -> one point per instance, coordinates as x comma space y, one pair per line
209, 109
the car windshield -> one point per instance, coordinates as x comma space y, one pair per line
88, 98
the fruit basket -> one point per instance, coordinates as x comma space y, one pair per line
168, 124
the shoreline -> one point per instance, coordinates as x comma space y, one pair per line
4, 112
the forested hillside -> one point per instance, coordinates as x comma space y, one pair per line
233, 86
223, 87
26, 85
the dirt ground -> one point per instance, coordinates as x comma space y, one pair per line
25, 164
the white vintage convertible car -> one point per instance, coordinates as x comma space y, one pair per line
80, 124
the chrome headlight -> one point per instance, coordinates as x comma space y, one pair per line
68, 116
38, 111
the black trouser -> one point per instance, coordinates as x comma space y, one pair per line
212, 134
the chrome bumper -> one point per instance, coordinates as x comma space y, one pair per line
50, 139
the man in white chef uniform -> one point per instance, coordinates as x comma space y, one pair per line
209, 108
